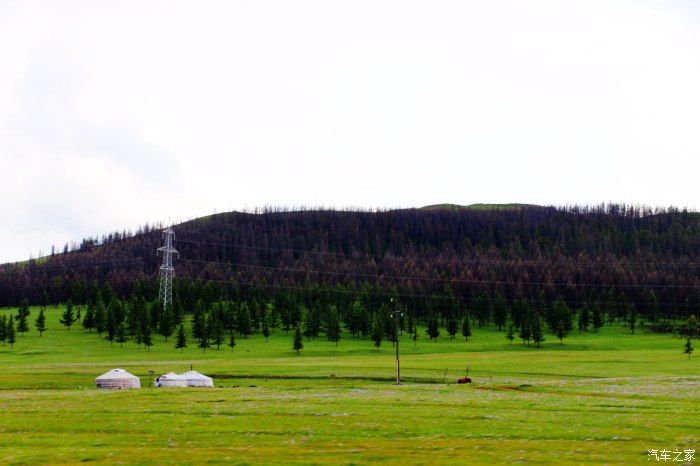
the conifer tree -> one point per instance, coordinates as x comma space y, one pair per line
217, 332
333, 325
298, 343
583, 319
537, 334
67, 318
466, 328
688, 348
146, 337
433, 329
597, 318
181, 343
231, 341
409, 326
204, 338
41, 322
415, 336
120, 335
266, 326
452, 327
526, 330
510, 336
632, 317
244, 323
22, 314
100, 317
44, 300
166, 324
3, 329
89, 319
11, 338
22, 325
377, 333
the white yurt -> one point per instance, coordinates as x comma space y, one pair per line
195, 379
118, 379
170, 379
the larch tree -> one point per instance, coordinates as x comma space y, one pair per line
298, 343
10, 330
466, 328
181, 342
67, 318
41, 322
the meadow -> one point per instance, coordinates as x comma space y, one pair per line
598, 398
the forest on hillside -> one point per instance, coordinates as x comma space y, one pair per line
613, 255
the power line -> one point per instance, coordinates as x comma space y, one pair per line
438, 260
444, 280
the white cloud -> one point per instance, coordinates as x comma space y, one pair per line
116, 114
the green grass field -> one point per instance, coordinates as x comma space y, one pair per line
598, 398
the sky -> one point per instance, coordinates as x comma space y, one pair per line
117, 114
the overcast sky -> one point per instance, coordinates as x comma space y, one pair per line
114, 114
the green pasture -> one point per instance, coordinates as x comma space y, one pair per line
598, 398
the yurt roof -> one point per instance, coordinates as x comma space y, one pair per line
194, 375
116, 374
170, 375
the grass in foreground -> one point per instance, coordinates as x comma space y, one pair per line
604, 398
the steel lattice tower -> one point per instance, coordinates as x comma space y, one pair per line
167, 270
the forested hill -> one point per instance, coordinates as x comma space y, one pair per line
609, 254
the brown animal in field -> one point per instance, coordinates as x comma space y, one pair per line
464, 380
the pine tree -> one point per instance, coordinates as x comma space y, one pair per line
11, 338
632, 318
120, 335
22, 313
537, 334
166, 324
583, 319
204, 338
181, 343
298, 343
433, 329
44, 300
89, 319
409, 327
466, 328
146, 337
688, 349
526, 330
510, 336
41, 322
597, 318
231, 341
452, 327
266, 326
333, 325
217, 332
377, 333
67, 317
112, 324
3, 329
415, 336
244, 323
100, 317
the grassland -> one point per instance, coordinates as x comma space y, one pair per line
598, 398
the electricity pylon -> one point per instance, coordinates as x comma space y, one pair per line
167, 270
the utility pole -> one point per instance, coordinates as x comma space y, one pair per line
396, 314
167, 270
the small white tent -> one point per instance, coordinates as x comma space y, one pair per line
117, 378
195, 379
170, 379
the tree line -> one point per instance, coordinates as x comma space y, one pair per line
615, 255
